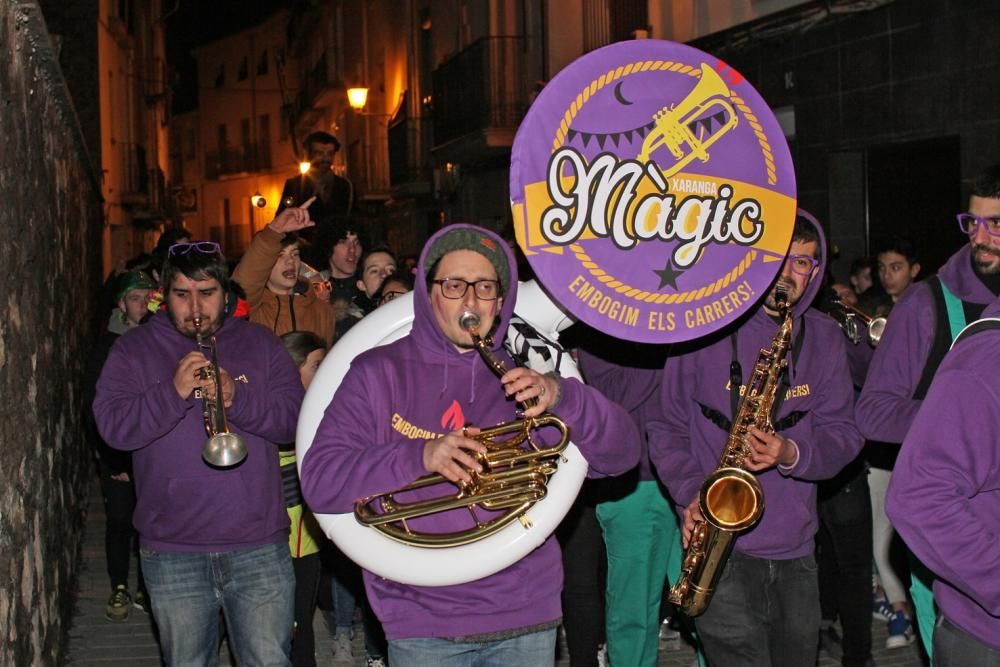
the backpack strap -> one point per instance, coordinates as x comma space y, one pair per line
949, 319
984, 324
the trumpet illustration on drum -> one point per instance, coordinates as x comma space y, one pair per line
681, 128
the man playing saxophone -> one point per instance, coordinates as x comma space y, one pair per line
401, 412
211, 539
765, 607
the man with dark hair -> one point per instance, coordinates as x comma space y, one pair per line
432, 380
211, 539
920, 330
343, 244
269, 274
334, 194
765, 610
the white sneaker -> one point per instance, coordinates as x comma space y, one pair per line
602, 655
342, 653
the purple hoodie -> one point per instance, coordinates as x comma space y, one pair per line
421, 385
886, 407
944, 498
685, 445
184, 504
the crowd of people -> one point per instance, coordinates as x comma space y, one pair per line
870, 438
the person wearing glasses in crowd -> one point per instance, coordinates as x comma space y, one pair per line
920, 330
401, 412
269, 274
211, 539
394, 285
765, 610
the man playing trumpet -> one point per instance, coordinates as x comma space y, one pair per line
210, 539
401, 412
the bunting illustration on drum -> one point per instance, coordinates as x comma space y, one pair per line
653, 192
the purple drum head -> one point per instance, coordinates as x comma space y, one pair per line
653, 192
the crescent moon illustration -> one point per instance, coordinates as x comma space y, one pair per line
619, 96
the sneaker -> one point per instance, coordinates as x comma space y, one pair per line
118, 604
669, 635
830, 643
900, 631
602, 655
342, 652
882, 610
375, 662
141, 601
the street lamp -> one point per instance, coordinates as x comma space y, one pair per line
357, 98
257, 199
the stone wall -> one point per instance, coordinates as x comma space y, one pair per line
49, 260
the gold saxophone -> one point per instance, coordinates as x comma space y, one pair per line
731, 498
514, 476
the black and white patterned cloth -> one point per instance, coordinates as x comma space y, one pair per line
532, 349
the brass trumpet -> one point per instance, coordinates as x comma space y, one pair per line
856, 324
223, 449
514, 476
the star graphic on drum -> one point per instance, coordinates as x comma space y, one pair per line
668, 275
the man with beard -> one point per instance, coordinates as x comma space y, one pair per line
335, 194
269, 274
765, 610
211, 539
919, 333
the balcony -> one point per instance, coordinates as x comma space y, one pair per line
480, 98
318, 91
237, 160
409, 170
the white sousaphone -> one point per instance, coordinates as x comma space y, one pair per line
418, 565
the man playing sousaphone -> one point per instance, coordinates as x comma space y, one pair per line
211, 539
765, 608
399, 414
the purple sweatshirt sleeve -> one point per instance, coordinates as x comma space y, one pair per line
606, 435
347, 459
886, 408
942, 497
628, 387
832, 440
132, 411
669, 433
270, 410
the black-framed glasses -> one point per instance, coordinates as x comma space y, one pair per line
389, 296
802, 264
455, 288
969, 223
204, 247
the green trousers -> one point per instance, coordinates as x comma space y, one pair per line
644, 548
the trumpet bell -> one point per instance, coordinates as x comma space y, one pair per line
224, 450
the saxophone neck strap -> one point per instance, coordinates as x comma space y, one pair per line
736, 370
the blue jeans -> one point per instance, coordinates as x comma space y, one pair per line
764, 612
537, 649
254, 589
954, 647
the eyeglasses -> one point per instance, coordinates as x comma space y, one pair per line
204, 247
802, 264
389, 296
969, 223
455, 288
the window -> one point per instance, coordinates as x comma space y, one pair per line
244, 70
220, 77
262, 63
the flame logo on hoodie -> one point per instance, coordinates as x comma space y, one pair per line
453, 418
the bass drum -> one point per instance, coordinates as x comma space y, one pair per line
422, 566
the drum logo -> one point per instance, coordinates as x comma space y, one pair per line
652, 191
